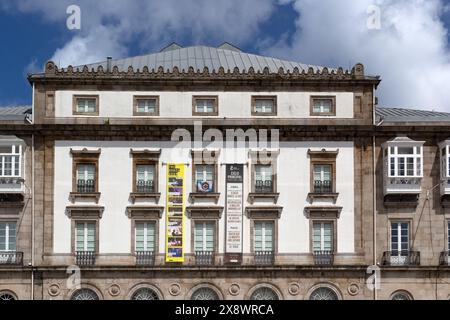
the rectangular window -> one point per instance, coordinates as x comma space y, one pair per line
10, 161
85, 177
405, 162
8, 236
145, 236
400, 238
204, 178
263, 178
204, 236
145, 178
205, 106
323, 178
263, 236
85, 236
146, 106
323, 236
323, 106
264, 106
86, 105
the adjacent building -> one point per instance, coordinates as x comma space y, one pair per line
211, 173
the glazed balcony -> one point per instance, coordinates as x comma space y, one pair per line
402, 185
11, 258
401, 258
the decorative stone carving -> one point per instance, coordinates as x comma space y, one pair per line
234, 289
114, 290
353, 289
54, 290
175, 289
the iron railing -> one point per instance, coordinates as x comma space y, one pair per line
204, 258
86, 186
143, 186
401, 258
145, 258
324, 186
11, 258
264, 258
444, 258
323, 258
263, 186
85, 258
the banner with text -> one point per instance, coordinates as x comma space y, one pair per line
234, 207
174, 213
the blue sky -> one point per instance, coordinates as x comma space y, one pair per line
410, 50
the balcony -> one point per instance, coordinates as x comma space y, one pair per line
85, 258
323, 258
264, 258
204, 258
401, 258
86, 186
143, 186
12, 185
402, 185
325, 186
13, 258
263, 186
444, 258
145, 258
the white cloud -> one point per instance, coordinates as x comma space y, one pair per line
409, 51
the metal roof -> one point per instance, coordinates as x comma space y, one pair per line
410, 115
15, 113
199, 57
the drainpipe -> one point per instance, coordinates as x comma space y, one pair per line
374, 180
32, 202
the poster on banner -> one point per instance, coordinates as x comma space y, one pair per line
234, 207
174, 213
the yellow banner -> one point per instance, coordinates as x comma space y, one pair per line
174, 213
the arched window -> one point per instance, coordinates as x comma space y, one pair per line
205, 294
84, 294
401, 295
323, 293
145, 294
6, 296
264, 293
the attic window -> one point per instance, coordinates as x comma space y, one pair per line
264, 106
323, 106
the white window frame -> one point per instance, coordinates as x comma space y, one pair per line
264, 107
321, 107
204, 235
399, 236
146, 172
322, 172
263, 173
204, 108
146, 229
263, 235
85, 172
85, 107
322, 235
7, 236
147, 105
16, 151
394, 156
85, 235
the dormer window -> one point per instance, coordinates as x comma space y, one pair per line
403, 166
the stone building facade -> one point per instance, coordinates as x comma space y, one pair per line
318, 206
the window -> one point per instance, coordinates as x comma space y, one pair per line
146, 106
264, 179
264, 293
145, 236
85, 236
323, 106
10, 161
205, 106
204, 178
405, 161
323, 293
323, 236
263, 237
85, 105
145, 178
205, 293
84, 294
145, 294
401, 295
8, 236
264, 106
448, 236
204, 236
85, 177
323, 174
6, 296
399, 242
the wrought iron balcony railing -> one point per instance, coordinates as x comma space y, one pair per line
143, 186
264, 258
325, 186
145, 258
263, 186
85, 258
204, 258
86, 186
401, 258
323, 258
444, 258
11, 258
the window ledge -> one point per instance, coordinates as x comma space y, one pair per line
330, 212
331, 195
272, 212
85, 211
85, 195
154, 212
144, 195
213, 212
204, 195
263, 195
